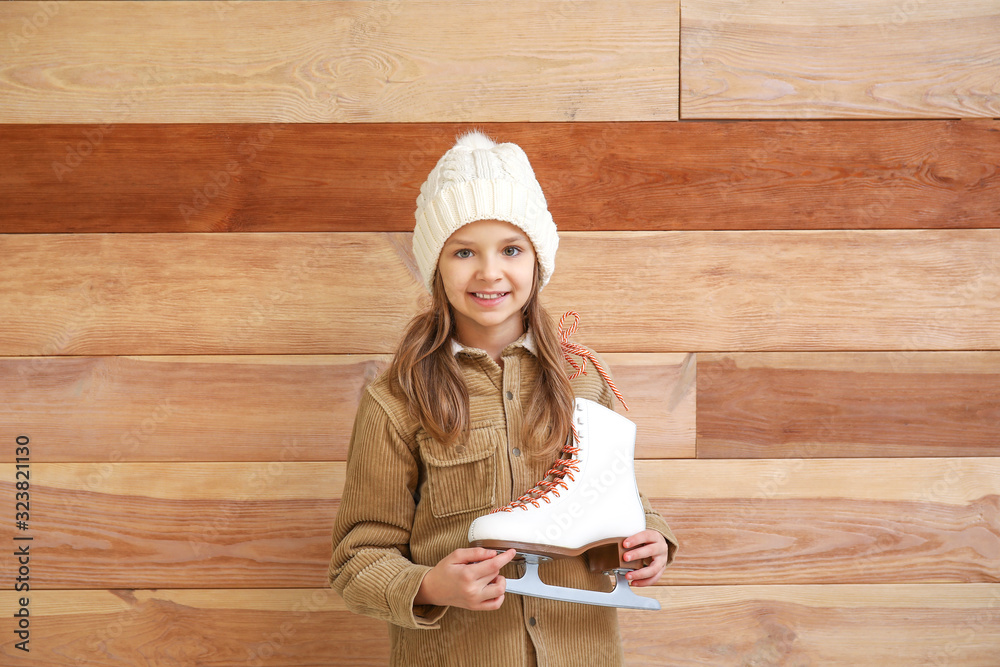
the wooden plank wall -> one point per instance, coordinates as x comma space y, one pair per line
779, 222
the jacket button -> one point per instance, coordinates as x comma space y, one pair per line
516, 452
509, 395
531, 621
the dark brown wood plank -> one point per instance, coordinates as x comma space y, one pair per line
610, 176
260, 408
806, 405
233, 525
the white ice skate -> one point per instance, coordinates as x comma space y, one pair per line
587, 504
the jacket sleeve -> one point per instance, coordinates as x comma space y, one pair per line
370, 568
653, 519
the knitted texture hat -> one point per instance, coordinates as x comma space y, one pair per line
478, 179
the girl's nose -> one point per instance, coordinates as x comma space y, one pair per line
489, 269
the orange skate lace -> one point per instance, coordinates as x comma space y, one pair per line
563, 467
570, 347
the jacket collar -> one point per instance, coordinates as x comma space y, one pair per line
527, 341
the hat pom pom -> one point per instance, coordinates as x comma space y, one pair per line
475, 139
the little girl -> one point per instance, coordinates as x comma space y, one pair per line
471, 413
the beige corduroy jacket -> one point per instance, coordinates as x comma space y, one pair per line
408, 502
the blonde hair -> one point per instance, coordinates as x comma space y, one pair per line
425, 372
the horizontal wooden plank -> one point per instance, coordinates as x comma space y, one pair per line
204, 525
328, 62
161, 524
260, 408
610, 176
660, 392
829, 520
775, 59
857, 625
202, 408
798, 405
862, 625
213, 628
309, 293
952, 481
137, 293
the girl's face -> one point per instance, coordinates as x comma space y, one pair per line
487, 268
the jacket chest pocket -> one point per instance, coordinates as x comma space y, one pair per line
461, 478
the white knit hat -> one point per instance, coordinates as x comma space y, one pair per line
478, 179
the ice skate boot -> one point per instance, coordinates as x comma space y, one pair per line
588, 504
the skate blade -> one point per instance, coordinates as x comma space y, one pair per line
622, 596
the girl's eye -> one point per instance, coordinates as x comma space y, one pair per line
464, 253
512, 251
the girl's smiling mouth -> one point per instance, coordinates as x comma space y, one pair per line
488, 299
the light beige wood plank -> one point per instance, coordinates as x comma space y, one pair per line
215, 481
848, 596
180, 525
948, 481
815, 404
956, 481
857, 625
357, 62
161, 294
302, 293
260, 407
870, 59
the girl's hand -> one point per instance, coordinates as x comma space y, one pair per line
466, 578
647, 544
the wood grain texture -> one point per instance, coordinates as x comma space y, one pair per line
352, 62
799, 405
829, 520
596, 176
180, 525
260, 408
776, 59
203, 408
233, 525
160, 294
155, 294
213, 628
844, 625
720, 626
